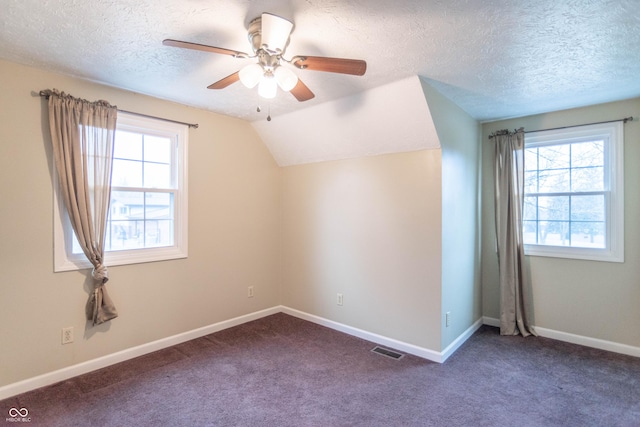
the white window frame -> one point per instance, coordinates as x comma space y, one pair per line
65, 260
613, 136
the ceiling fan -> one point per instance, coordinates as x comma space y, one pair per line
269, 37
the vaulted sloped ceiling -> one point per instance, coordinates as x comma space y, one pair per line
391, 118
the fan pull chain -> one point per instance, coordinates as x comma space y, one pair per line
258, 109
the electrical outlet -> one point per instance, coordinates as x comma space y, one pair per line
250, 292
340, 300
67, 335
447, 319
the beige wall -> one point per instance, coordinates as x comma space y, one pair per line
396, 234
459, 135
234, 226
592, 299
368, 228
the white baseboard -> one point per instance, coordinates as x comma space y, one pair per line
589, 342
577, 339
451, 348
491, 321
123, 355
120, 356
434, 356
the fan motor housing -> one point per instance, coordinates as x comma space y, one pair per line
255, 34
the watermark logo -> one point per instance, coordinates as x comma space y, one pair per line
18, 416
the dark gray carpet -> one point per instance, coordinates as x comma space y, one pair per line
283, 371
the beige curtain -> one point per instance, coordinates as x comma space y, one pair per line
515, 291
82, 135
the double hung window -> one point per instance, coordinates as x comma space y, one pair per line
147, 218
573, 201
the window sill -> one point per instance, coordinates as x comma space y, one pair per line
79, 262
605, 255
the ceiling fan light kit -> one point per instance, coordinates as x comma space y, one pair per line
269, 38
286, 78
268, 86
251, 74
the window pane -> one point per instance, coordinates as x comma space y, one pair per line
588, 234
530, 208
588, 208
128, 145
554, 157
125, 235
159, 206
554, 208
555, 233
157, 175
586, 154
529, 232
140, 220
587, 179
159, 233
136, 230
126, 173
126, 205
531, 159
157, 149
531, 182
554, 181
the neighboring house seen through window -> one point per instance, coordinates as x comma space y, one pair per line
573, 204
148, 213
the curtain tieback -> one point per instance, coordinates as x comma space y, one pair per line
100, 274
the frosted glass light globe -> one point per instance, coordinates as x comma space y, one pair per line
268, 87
286, 78
250, 75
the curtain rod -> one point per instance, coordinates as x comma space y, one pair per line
624, 120
191, 125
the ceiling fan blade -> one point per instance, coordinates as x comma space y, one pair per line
355, 67
302, 92
204, 48
222, 83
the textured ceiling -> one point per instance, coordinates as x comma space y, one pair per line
493, 58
